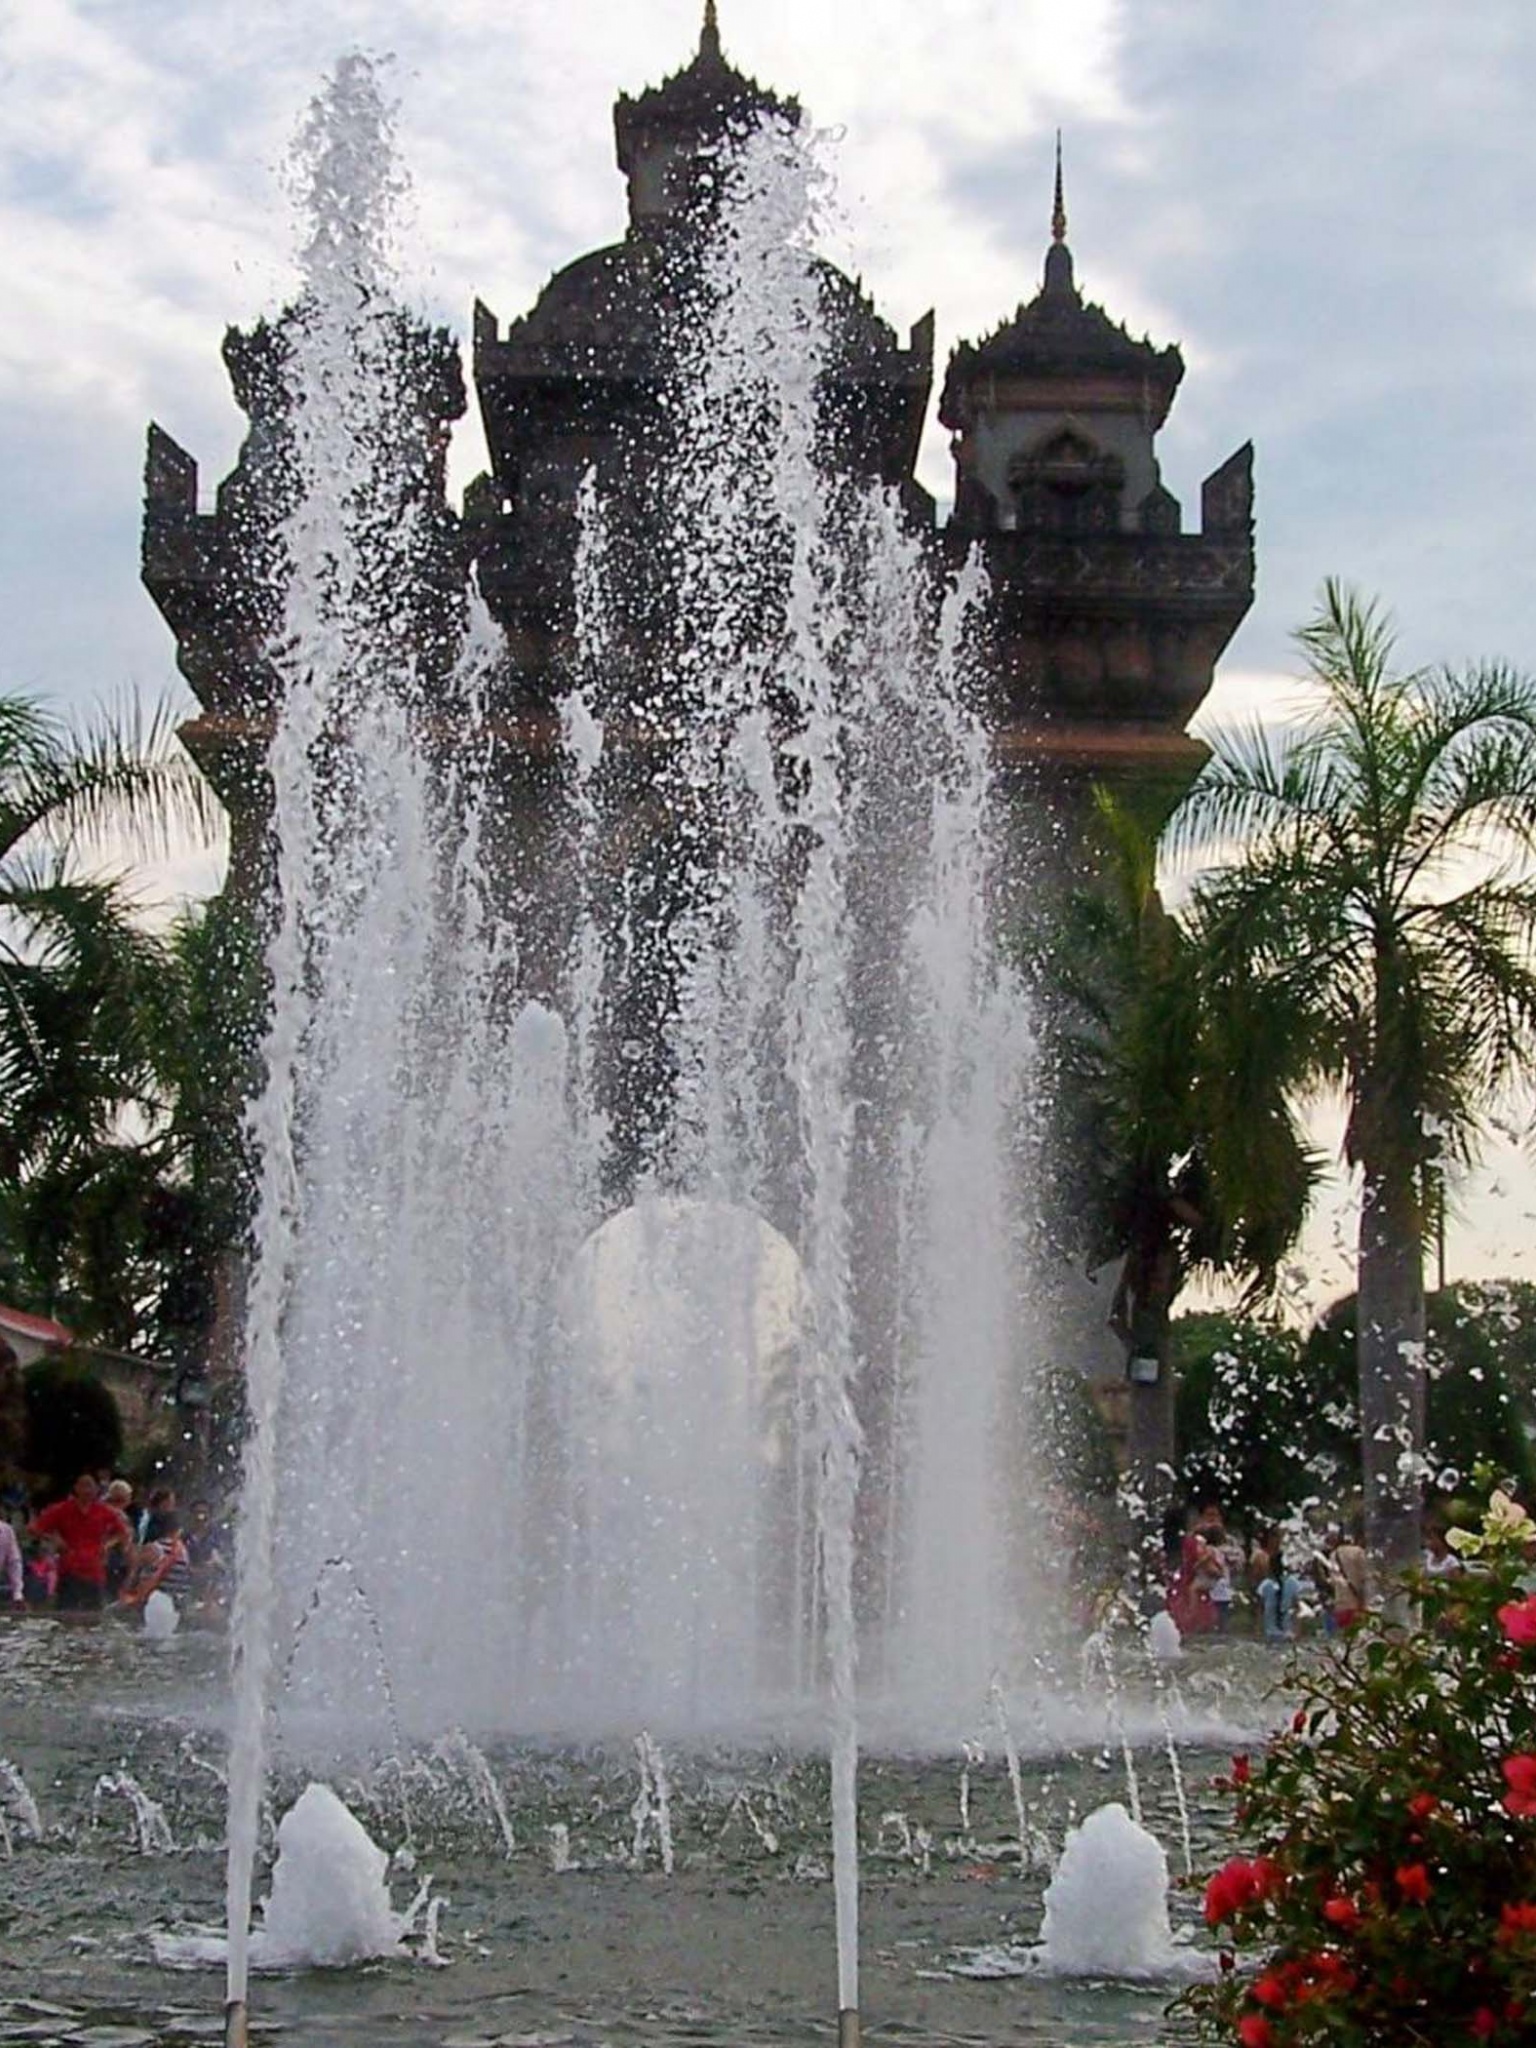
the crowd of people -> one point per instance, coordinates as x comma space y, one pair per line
1283, 1578
100, 1550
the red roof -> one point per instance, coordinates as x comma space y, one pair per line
38, 1328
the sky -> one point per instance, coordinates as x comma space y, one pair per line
1329, 208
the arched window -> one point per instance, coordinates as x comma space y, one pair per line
1067, 484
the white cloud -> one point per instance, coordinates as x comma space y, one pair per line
1325, 206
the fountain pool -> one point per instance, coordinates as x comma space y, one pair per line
732, 1948
642, 1330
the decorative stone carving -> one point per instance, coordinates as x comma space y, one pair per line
1226, 496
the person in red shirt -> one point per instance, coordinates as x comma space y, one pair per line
82, 1529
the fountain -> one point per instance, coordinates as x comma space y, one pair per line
639, 1236
17, 1803
1106, 1913
1106, 1907
329, 1905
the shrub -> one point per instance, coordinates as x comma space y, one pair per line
1269, 1421
1390, 1897
1256, 1428
1475, 1366
72, 1422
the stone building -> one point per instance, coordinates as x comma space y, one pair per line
1107, 618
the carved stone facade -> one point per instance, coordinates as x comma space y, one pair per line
1106, 619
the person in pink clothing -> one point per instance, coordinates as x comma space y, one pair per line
12, 1576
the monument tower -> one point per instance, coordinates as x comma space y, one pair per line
1105, 618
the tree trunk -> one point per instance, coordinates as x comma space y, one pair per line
1150, 1444
1390, 1353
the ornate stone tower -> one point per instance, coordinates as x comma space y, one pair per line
1108, 619
211, 572
579, 382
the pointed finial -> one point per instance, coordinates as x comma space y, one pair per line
709, 35
1059, 210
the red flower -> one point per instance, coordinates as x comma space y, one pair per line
1241, 1772
1271, 1990
1254, 2031
1423, 1804
1298, 1720
1520, 1776
1518, 1621
1483, 2023
1238, 1885
1342, 1913
1319, 1975
1517, 1920
1413, 1882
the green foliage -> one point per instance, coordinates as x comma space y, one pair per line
13, 1413
1390, 1901
1480, 1339
1079, 1454
1258, 1426
112, 1043
1371, 886
207, 1048
1268, 1420
1177, 1148
1157, 1076
72, 1423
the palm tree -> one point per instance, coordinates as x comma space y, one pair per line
82, 987
1186, 1154
1372, 872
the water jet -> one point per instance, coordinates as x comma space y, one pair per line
705, 1095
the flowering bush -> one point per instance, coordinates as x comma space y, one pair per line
1391, 1897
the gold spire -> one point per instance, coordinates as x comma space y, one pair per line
1059, 210
709, 35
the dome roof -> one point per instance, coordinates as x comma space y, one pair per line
706, 99
1059, 334
604, 300
618, 305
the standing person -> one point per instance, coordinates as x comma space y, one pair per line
1279, 1592
1320, 1572
82, 1529
1223, 1548
162, 1567
119, 1495
1351, 1578
207, 1547
1200, 1567
152, 1522
11, 1570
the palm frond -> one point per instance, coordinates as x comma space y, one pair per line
122, 777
